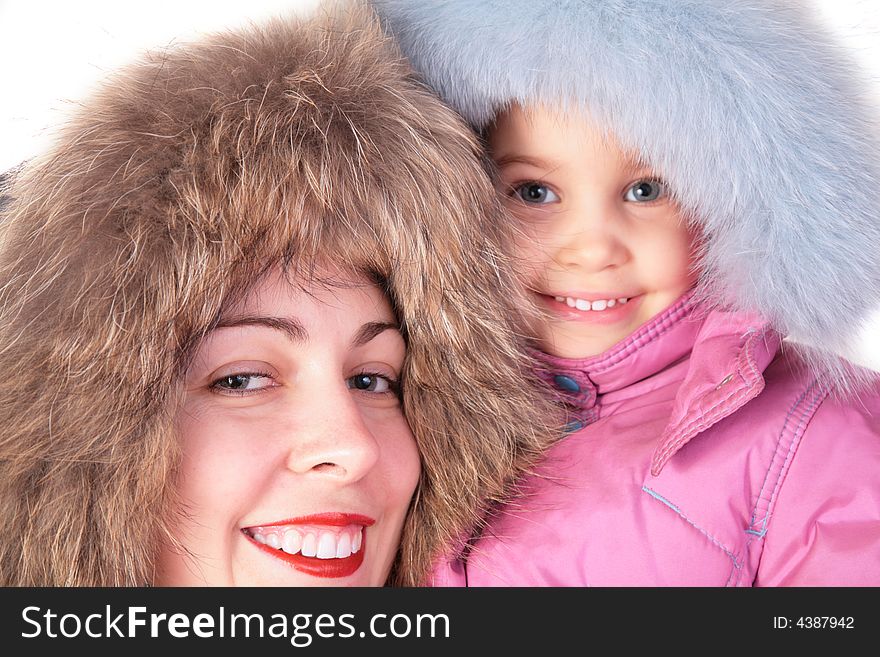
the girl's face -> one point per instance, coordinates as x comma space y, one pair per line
298, 465
605, 246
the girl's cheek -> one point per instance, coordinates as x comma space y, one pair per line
532, 258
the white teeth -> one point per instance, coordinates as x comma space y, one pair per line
292, 541
326, 546
343, 548
311, 542
310, 546
584, 305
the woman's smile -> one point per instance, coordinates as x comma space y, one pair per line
323, 544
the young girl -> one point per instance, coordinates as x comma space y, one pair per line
239, 265
694, 182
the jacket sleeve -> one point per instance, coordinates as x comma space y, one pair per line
824, 528
448, 572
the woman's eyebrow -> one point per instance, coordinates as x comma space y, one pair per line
292, 328
370, 330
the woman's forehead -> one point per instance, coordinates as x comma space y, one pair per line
282, 292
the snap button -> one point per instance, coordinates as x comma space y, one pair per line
574, 425
566, 383
724, 381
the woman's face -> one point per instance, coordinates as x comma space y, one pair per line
298, 465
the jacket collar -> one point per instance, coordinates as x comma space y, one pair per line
664, 340
726, 370
727, 352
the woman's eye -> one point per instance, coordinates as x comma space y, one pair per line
645, 190
536, 193
376, 383
238, 383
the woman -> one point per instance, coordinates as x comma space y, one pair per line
207, 289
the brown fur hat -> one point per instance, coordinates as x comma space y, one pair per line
177, 185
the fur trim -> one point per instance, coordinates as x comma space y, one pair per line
173, 189
745, 106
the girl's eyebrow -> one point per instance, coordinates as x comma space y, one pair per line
635, 165
515, 158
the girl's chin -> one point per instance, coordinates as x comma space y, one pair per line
565, 343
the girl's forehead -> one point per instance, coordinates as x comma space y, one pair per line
552, 134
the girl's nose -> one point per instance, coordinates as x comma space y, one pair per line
591, 245
334, 442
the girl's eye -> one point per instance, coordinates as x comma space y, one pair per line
644, 191
536, 193
242, 383
375, 383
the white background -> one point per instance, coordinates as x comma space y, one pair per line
51, 52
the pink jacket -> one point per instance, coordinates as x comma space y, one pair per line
708, 456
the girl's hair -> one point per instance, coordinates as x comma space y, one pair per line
748, 109
178, 184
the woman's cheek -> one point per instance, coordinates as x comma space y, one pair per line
403, 456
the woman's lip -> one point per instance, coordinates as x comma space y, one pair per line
335, 567
334, 519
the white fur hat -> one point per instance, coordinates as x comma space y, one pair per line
746, 107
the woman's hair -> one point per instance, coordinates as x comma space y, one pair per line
180, 182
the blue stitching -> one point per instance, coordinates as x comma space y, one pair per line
788, 415
808, 413
714, 541
733, 571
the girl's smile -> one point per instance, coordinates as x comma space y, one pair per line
593, 309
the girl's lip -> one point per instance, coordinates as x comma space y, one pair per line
588, 296
329, 568
620, 312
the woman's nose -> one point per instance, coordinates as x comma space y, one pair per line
334, 441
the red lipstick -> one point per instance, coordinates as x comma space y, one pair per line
331, 568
